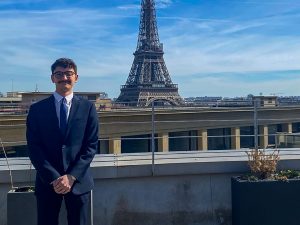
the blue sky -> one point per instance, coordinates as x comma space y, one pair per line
212, 47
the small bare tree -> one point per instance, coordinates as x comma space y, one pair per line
262, 164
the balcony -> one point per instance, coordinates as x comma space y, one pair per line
167, 165
164, 188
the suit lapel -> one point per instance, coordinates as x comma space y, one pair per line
73, 111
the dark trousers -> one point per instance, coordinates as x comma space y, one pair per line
49, 204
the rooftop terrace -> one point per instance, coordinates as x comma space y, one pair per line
178, 188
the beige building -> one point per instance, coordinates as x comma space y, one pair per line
178, 129
19, 102
266, 101
32, 97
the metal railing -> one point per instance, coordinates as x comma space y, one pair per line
191, 137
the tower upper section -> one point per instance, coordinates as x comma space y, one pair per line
148, 39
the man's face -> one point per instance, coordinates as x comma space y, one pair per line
64, 79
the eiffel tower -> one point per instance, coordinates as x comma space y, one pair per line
149, 79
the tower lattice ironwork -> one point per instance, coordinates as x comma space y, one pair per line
149, 79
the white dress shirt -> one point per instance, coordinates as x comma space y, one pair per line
58, 99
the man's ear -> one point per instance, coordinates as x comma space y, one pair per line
52, 78
77, 77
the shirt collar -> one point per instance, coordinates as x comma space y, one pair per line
58, 97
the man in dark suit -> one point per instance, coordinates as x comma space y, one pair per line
62, 137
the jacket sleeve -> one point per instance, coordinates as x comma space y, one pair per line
46, 171
88, 148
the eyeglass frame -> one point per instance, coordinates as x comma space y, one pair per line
60, 74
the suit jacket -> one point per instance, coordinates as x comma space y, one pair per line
54, 155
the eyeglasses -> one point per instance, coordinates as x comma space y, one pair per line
60, 74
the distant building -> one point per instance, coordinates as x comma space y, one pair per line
263, 101
103, 104
10, 104
205, 101
32, 97
8, 100
289, 100
266, 101
14, 94
19, 102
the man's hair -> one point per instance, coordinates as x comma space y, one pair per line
65, 63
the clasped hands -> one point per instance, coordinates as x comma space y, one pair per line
63, 184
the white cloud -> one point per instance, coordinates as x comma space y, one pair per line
229, 87
265, 2
129, 7
195, 46
18, 2
241, 27
275, 55
163, 3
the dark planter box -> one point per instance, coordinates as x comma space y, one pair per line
21, 209
265, 202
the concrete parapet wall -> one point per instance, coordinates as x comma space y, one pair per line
165, 200
186, 188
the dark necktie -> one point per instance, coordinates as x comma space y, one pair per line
63, 116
